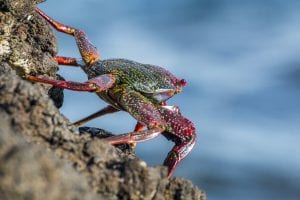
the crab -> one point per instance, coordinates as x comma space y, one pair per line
139, 89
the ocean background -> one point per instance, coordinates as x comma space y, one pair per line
241, 60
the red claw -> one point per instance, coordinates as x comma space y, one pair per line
182, 132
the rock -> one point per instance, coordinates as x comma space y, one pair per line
27, 171
42, 155
27, 43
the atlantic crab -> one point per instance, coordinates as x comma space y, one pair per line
139, 89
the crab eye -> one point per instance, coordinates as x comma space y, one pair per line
183, 82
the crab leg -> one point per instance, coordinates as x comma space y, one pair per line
97, 84
62, 60
106, 110
87, 50
133, 137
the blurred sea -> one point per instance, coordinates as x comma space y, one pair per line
242, 63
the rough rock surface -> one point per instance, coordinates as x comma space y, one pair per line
42, 156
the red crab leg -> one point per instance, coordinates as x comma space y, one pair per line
107, 110
134, 137
97, 84
87, 50
62, 60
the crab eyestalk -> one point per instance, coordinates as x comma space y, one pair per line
183, 82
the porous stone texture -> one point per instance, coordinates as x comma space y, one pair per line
31, 172
27, 43
42, 155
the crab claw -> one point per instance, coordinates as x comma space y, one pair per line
181, 131
179, 152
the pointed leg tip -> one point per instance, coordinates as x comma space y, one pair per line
171, 162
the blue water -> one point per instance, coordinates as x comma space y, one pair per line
242, 63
